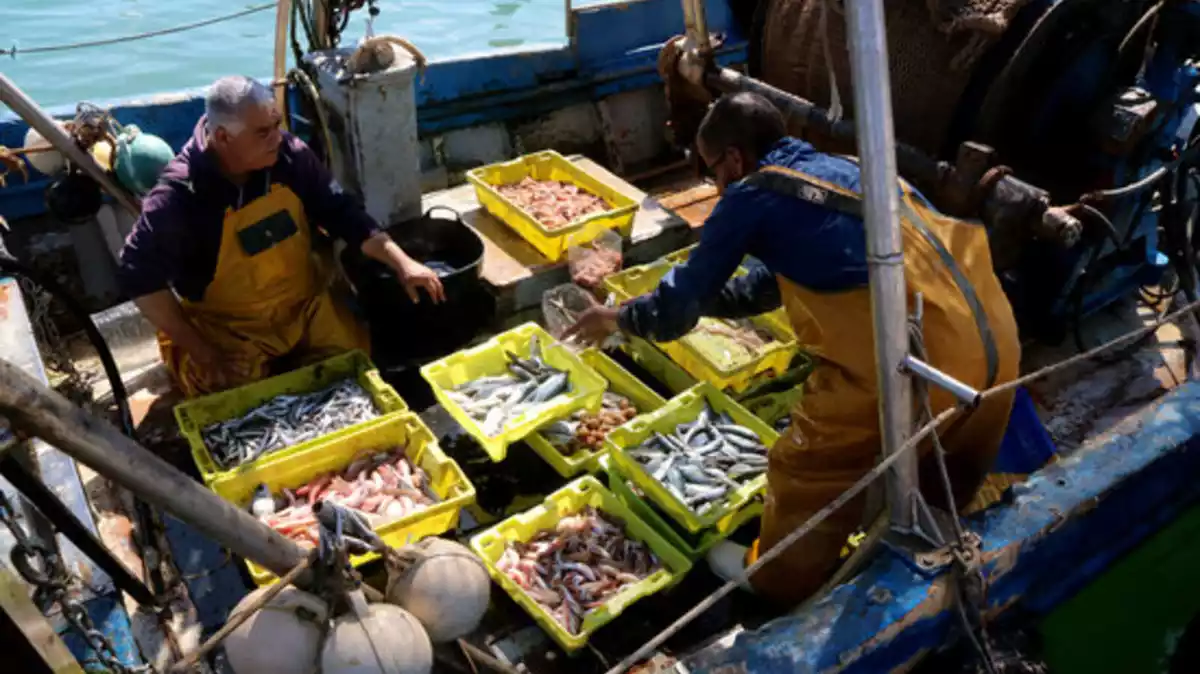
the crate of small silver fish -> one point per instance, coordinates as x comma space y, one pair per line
578, 560
391, 472
699, 458
238, 429
693, 546
507, 387
575, 444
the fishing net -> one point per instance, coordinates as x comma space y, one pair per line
932, 48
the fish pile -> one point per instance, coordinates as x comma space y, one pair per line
384, 487
577, 566
702, 462
587, 430
730, 342
287, 420
529, 382
554, 203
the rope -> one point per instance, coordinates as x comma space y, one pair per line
917, 438
138, 36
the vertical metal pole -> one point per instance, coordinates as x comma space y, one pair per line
695, 22
867, 38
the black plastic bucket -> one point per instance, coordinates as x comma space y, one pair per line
404, 334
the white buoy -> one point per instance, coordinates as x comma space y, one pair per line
50, 163
388, 640
282, 638
443, 584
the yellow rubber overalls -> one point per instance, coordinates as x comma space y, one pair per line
834, 438
266, 299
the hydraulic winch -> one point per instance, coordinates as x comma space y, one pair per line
1066, 126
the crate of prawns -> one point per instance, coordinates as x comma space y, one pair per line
391, 472
578, 560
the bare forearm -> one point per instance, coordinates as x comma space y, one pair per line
381, 247
162, 309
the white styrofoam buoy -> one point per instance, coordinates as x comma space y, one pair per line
281, 638
441, 583
50, 163
387, 640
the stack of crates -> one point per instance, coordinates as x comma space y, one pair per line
297, 465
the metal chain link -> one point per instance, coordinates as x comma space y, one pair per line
41, 567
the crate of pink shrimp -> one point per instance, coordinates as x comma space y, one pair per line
391, 471
552, 202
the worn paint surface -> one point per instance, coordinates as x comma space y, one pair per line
1058, 531
613, 48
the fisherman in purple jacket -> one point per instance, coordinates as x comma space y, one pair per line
221, 261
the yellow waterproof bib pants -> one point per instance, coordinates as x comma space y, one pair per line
834, 438
265, 300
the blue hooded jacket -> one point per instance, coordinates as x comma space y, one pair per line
815, 247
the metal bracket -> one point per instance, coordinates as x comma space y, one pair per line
919, 368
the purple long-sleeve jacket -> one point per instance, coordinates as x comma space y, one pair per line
175, 242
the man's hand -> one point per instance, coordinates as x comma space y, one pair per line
418, 276
594, 325
412, 274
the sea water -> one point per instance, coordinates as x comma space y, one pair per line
245, 45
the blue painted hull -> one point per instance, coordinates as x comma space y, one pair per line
1060, 530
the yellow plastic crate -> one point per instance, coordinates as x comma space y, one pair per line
681, 409
567, 501
490, 358
688, 351
621, 487
195, 415
550, 165
447, 480
621, 382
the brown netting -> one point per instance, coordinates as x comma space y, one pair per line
932, 46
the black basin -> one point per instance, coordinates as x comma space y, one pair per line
403, 333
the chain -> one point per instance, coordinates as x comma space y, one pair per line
42, 568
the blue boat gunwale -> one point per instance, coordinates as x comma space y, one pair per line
1056, 532
611, 48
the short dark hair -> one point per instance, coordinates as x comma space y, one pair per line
741, 120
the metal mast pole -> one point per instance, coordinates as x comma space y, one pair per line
867, 38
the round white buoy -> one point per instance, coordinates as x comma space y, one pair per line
282, 638
50, 163
389, 640
443, 584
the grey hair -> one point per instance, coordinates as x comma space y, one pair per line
228, 97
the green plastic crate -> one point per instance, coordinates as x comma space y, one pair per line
684, 408
688, 350
622, 488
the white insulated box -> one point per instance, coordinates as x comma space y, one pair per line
373, 120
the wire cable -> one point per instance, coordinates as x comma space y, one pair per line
138, 36
914, 441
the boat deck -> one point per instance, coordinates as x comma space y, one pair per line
1094, 399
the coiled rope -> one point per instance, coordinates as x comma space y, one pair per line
915, 440
138, 36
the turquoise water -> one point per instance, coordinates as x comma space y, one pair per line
440, 28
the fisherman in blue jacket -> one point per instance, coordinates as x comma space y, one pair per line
798, 211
